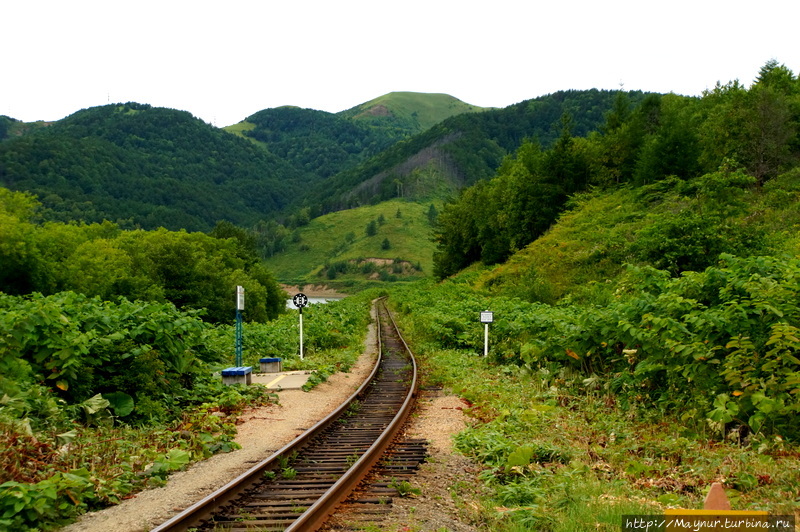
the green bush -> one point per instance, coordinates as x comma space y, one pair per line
81, 346
717, 346
45, 505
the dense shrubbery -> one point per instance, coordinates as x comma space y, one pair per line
718, 345
134, 353
559, 453
94, 391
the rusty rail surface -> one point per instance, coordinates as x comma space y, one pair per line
300, 486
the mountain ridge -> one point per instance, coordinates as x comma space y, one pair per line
147, 167
144, 166
462, 149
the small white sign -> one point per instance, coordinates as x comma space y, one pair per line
487, 317
239, 298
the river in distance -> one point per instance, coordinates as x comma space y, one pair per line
313, 301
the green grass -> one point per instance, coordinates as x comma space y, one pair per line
240, 128
422, 109
602, 462
341, 236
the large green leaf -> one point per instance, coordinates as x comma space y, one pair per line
121, 403
521, 456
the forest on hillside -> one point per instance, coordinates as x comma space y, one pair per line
739, 136
319, 143
461, 150
324, 144
141, 166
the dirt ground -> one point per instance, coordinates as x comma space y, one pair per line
310, 290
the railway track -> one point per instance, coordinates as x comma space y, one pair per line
299, 486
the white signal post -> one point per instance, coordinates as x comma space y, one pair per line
486, 318
238, 340
300, 300
239, 298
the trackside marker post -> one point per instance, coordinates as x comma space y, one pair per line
238, 374
486, 318
300, 300
239, 309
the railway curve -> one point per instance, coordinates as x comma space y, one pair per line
300, 485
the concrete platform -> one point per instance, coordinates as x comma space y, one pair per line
285, 380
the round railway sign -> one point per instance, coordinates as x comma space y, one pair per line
300, 300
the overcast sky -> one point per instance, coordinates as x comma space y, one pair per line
223, 61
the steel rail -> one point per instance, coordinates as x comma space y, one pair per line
316, 514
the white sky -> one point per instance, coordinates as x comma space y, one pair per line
224, 60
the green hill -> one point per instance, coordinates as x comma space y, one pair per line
323, 144
462, 149
716, 147
338, 247
412, 112
664, 225
147, 167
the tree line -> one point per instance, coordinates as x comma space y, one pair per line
731, 129
190, 270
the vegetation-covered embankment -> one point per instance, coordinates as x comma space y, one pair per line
110, 347
614, 387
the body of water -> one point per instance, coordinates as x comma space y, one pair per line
313, 301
